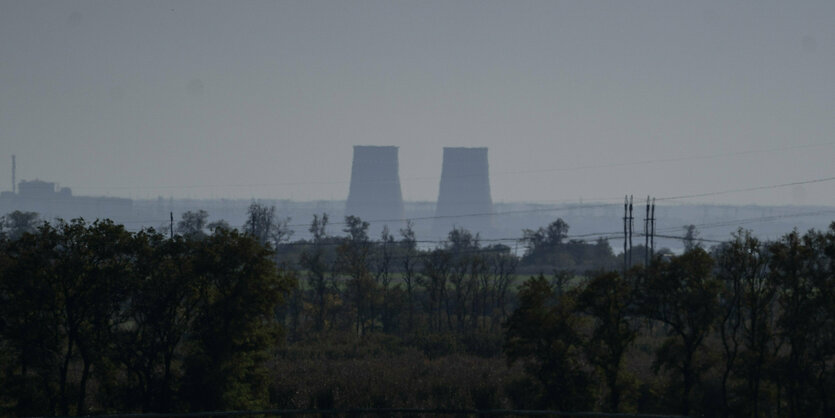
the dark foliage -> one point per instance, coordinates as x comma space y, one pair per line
155, 324
97, 319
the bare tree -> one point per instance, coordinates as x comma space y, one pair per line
313, 259
193, 224
691, 236
434, 275
410, 258
17, 223
502, 269
463, 246
354, 259
746, 328
383, 266
262, 224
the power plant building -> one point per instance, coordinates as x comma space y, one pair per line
375, 193
464, 199
50, 201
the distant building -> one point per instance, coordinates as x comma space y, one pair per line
375, 194
50, 201
36, 189
464, 199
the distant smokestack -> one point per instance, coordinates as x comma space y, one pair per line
14, 180
464, 190
375, 184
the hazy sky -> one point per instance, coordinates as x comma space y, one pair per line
266, 98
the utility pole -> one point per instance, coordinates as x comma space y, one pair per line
652, 229
171, 227
646, 236
14, 180
625, 233
631, 224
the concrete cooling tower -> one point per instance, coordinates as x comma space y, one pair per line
375, 186
464, 190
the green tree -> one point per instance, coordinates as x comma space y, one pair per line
30, 324
803, 268
747, 321
608, 299
542, 241
94, 298
542, 332
682, 294
164, 298
556, 232
63, 288
236, 325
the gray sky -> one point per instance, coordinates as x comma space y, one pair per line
265, 99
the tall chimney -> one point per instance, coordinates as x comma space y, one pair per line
14, 180
464, 190
375, 185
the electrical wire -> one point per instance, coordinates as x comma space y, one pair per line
493, 174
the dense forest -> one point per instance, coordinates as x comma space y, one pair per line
206, 316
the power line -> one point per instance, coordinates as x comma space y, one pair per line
674, 159
744, 221
597, 205
469, 215
694, 239
749, 189
600, 205
493, 174
558, 209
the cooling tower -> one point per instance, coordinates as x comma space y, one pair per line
375, 185
464, 190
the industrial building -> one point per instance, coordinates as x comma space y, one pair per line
375, 194
464, 199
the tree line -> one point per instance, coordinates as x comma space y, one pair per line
744, 329
148, 322
96, 318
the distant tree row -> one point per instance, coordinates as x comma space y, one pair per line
460, 286
548, 248
351, 283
